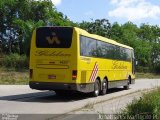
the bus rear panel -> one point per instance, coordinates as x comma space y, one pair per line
53, 61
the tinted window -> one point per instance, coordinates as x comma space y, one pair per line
101, 49
83, 45
125, 54
54, 37
111, 51
128, 52
88, 46
95, 48
105, 50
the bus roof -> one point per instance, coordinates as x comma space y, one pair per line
85, 33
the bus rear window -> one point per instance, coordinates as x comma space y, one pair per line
54, 37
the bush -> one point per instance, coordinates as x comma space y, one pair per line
16, 61
157, 69
147, 106
1, 61
143, 69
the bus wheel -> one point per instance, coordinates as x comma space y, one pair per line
126, 87
104, 87
96, 88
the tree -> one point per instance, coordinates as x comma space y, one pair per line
99, 26
151, 35
17, 23
117, 32
24, 33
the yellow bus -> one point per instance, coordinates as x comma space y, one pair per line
71, 59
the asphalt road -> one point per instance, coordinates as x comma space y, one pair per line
20, 99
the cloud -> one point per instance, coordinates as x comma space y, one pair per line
89, 13
56, 2
134, 10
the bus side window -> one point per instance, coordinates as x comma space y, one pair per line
82, 45
90, 47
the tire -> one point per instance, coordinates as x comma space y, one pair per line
96, 91
104, 87
126, 87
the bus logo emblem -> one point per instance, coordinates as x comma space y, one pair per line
53, 39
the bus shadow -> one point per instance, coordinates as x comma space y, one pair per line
51, 97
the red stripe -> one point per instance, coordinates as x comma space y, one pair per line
94, 72
93, 75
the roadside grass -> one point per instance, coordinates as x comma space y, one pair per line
145, 108
12, 77
147, 75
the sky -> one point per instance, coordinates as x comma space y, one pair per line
121, 11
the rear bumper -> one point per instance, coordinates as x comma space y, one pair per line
62, 86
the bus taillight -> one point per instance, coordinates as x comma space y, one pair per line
30, 73
74, 74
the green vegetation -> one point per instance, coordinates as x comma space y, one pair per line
14, 78
15, 61
147, 75
147, 107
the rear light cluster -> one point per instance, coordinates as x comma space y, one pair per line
31, 73
74, 74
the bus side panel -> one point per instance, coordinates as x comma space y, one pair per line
106, 68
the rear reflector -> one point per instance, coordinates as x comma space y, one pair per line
74, 74
31, 73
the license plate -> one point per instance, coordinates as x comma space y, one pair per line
51, 76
